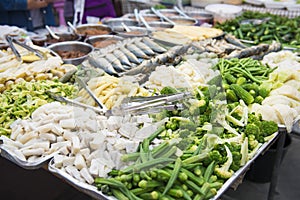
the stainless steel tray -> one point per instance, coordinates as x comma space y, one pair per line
83, 187
93, 192
11, 156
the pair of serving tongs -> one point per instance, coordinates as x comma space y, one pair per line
160, 15
134, 105
11, 42
152, 104
86, 88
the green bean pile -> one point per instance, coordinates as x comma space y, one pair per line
278, 28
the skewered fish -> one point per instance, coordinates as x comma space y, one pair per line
130, 55
154, 46
115, 62
144, 48
136, 51
122, 57
102, 63
231, 39
250, 51
148, 66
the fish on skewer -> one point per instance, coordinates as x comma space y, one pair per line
136, 51
144, 48
115, 62
131, 57
233, 40
102, 63
122, 57
250, 51
148, 66
152, 45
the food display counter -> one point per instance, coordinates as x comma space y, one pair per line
176, 112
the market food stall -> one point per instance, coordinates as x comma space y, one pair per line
132, 111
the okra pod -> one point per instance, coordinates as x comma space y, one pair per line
174, 175
118, 194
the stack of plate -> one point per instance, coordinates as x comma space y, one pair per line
223, 12
235, 2
203, 3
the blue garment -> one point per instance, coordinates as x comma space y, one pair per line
15, 12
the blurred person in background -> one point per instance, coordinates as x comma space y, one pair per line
28, 14
81, 9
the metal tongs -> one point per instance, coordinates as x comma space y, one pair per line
160, 15
74, 103
153, 104
83, 84
134, 105
11, 40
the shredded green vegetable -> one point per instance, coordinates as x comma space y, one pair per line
20, 100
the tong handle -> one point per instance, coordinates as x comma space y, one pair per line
162, 16
156, 101
72, 102
83, 84
13, 48
25, 46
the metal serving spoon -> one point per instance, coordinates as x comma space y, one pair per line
52, 33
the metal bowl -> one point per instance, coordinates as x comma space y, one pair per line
3, 45
63, 37
104, 40
135, 31
184, 21
113, 22
169, 12
93, 29
151, 18
72, 49
202, 17
160, 25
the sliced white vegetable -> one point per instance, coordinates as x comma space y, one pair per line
145, 132
33, 152
61, 144
94, 168
86, 175
79, 162
75, 145
97, 142
68, 161
41, 144
101, 172
131, 146
74, 172
60, 139
114, 122
85, 153
57, 130
17, 130
33, 158
45, 128
58, 160
48, 136
68, 135
27, 136
20, 155
64, 150
68, 123
128, 130
91, 125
